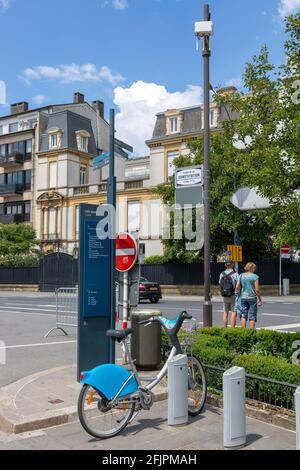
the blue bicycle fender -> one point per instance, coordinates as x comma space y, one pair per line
108, 379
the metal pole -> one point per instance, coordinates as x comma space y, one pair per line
111, 199
207, 306
297, 408
125, 300
280, 273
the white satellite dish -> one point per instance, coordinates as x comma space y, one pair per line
248, 199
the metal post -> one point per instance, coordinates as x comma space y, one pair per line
111, 199
280, 273
125, 300
207, 306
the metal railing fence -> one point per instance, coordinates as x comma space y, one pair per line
66, 309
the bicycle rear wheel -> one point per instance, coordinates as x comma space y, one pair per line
197, 387
96, 416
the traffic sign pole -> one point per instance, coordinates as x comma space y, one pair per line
126, 256
280, 273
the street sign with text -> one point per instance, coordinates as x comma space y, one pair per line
235, 253
189, 186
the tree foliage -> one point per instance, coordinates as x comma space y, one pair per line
260, 148
17, 239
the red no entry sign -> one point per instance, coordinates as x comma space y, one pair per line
285, 251
126, 252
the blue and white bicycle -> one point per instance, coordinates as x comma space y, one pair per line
113, 395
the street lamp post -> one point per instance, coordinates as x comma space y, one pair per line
204, 30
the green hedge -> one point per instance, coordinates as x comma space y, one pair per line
19, 261
262, 353
263, 342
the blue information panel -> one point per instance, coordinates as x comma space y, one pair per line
94, 346
95, 265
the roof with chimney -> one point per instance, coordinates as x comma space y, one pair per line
68, 123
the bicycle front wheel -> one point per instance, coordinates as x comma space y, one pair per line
197, 387
98, 418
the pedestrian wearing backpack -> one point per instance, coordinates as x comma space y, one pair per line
249, 296
227, 282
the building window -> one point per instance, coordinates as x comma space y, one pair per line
82, 175
52, 223
173, 125
52, 174
171, 167
13, 127
28, 146
212, 118
84, 143
53, 141
28, 180
133, 216
1, 130
2, 150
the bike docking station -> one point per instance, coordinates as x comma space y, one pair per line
178, 391
234, 408
297, 408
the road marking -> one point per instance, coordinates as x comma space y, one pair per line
277, 315
25, 308
29, 305
28, 313
19, 346
282, 327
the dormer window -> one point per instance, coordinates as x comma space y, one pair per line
82, 138
173, 125
55, 138
53, 141
84, 143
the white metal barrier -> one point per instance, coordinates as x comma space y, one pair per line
66, 309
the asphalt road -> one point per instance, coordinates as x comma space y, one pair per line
26, 317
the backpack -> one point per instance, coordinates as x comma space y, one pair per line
226, 285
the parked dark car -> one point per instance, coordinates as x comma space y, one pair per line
149, 291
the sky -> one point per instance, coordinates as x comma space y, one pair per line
138, 56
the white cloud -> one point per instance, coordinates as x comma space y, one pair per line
4, 4
287, 7
237, 82
139, 104
72, 73
120, 4
38, 99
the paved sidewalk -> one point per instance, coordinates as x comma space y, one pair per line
30, 406
48, 398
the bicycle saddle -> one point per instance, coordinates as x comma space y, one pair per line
119, 335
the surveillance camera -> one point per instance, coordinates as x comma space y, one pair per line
204, 28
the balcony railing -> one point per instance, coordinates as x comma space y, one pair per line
81, 190
13, 218
9, 159
51, 237
134, 184
102, 187
11, 189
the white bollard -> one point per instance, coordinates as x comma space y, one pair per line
234, 407
286, 287
297, 408
178, 391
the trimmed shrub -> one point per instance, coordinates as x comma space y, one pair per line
19, 261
